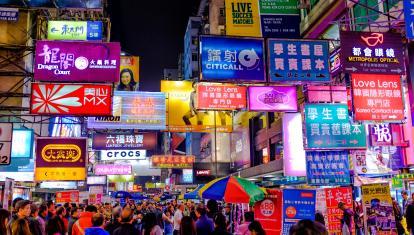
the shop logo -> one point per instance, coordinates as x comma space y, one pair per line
267, 207
273, 98
374, 39
382, 132
291, 212
61, 153
81, 63
249, 59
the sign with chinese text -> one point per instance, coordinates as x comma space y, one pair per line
380, 134
74, 30
9, 14
273, 98
71, 99
183, 115
146, 140
172, 161
95, 198
377, 203
298, 204
333, 197
60, 159
327, 168
113, 169
221, 97
67, 196
326, 94
64, 61
377, 160
94, 180
114, 155
6, 138
129, 74
368, 52
298, 60
409, 18
242, 18
268, 212
328, 127
377, 97
236, 59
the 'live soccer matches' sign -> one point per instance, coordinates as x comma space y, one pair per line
298, 60
328, 127
368, 52
327, 168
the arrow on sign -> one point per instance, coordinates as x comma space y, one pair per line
353, 141
54, 30
353, 69
396, 70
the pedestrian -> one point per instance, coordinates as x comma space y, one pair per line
212, 208
22, 211
84, 221
220, 225
256, 228
55, 226
304, 227
20, 227
61, 212
51, 210
409, 215
398, 217
346, 219
42, 217
34, 224
168, 221
126, 226
204, 225
243, 229
74, 216
4, 220
151, 226
178, 215
97, 225
187, 226
405, 201
320, 223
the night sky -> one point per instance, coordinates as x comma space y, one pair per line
153, 30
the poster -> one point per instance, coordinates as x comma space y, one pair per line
298, 204
74, 30
379, 216
128, 74
377, 97
182, 115
268, 212
327, 168
71, 196
273, 98
280, 26
221, 97
333, 197
377, 160
242, 18
380, 134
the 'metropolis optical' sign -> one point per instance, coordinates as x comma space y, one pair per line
113, 155
124, 141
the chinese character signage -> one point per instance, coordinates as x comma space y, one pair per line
368, 52
377, 97
326, 94
327, 168
6, 134
328, 127
268, 212
61, 61
235, 59
221, 97
172, 161
74, 30
409, 18
114, 155
378, 209
9, 14
60, 159
71, 99
273, 98
113, 169
242, 18
298, 60
67, 196
333, 197
380, 134
183, 115
146, 140
377, 160
298, 204
129, 74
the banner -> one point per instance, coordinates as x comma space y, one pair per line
242, 18
298, 60
146, 141
369, 52
183, 115
333, 197
114, 155
70, 99
273, 98
298, 204
234, 59
328, 127
327, 168
378, 210
64, 61
60, 159
326, 94
221, 97
113, 169
74, 30
59, 185
268, 213
280, 26
172, 161
6, 138
377, 160
294, 157
129, 74
95, 198
377, 97
67, 196
9, 14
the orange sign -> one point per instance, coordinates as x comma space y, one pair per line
172, 161
67, 196
221, 97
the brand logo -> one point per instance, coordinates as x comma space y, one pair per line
203, 172
382, 132
249, 59
122, 154
81, 63
273, 98
61, 153
374, 39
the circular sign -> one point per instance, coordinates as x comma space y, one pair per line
291, 212
267, 207
81, 63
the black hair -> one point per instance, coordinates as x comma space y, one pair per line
220, 220
257, 227
131, 84
248, 216
4, 214
150, 220
97, 220
73, 210
91, 208
304, 227
16, 200
201, 210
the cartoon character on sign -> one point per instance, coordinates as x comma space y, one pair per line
291, 212
267, 208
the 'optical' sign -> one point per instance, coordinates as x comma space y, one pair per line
113, 155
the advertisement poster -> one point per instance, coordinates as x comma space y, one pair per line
172, 161
280, 26
70, 99
333, 197
67, 196
128, 74
60, 159
74, 30
95, 198
327, 168
242, 18
380, 134
298, 60
221, 97
377, 160
113, 169
370, 52
268, 212
147, 140
379, 216
320, 205
273, 98
64, 61
298, 204
328, 127
377, 97
183, 115
232, 59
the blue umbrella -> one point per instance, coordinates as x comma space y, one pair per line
122, 194
193, 194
